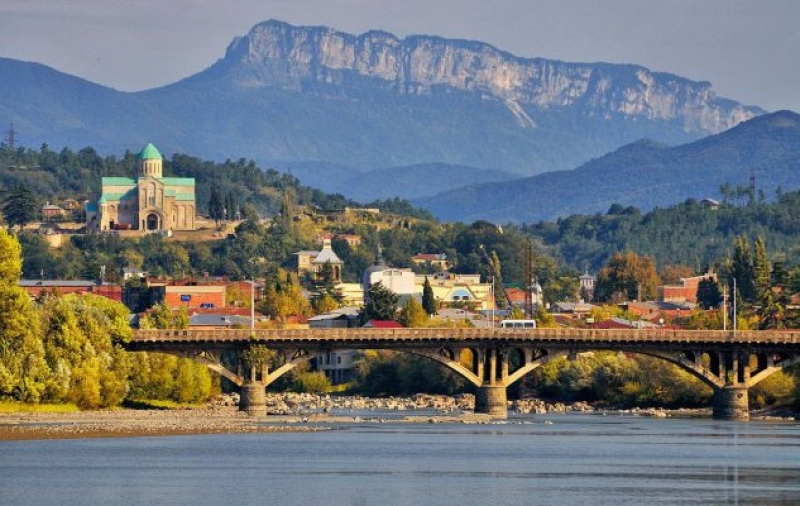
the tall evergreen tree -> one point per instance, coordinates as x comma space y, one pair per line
428, 300
499, 291
709, 295
742, 271
215, 205
762, 269
230, 206
381, 304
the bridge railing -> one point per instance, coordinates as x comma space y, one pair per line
349, 335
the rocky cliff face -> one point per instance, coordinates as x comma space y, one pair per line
277, 54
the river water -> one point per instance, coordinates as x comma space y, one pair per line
531, 460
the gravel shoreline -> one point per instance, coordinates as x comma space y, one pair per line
289, 412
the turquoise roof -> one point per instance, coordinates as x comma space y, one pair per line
178, 181
102, 199
150, 152
118, 181
119, 196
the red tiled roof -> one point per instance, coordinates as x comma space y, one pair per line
515, 294
384, 324
609, 324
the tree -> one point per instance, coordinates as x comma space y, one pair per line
231, 207
83, 337
380, 304
24, 374
762, 269
709, 295
20, 207
161, 316
215, 205
742, 270
282, 300
499, 290
325, 287
428, 300
412, 314
672, 274
626, 277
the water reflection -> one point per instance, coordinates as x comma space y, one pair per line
577, 459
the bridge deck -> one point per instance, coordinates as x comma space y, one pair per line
359, 337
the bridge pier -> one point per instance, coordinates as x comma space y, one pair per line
731, 402
253, 399
492, 400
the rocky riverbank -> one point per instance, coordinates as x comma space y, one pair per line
291, 412
307, 404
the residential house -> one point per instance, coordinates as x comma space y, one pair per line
432, 260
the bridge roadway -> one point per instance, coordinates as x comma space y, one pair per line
492, 359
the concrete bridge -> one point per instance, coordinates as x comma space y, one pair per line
491, 359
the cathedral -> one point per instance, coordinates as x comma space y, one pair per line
148, 202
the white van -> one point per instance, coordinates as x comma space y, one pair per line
518, 324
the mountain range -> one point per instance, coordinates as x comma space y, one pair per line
645, 174
348, 112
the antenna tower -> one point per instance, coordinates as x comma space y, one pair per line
11, 137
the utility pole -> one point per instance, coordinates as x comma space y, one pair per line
528, 280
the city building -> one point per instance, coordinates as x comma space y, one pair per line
148, 202
312, 262
458, 289
399, 281
432, 260
685, 291
36, 287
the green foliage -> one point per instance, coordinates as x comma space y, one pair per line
156, 376
10, 259
20, 207
689, 233
82, 346
325, 293
621, 381
777, 389
161, 316
428, 300
626, 277
24, 373
284, 299
312, 382
387, 373
412, 314
381, 304
709, 295
215, 205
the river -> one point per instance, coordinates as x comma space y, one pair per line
572, 459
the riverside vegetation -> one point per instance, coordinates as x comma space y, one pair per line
67, 349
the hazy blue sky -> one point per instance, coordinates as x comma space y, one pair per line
749, 49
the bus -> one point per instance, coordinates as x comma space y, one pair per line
518, 324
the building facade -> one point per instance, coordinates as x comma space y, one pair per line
149, 202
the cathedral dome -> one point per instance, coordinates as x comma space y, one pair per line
150, 152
